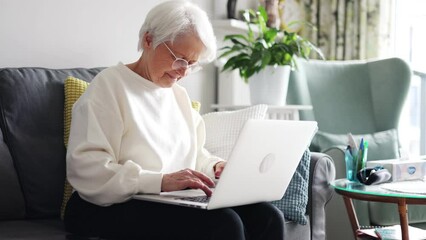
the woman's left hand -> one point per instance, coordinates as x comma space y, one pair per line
218, 169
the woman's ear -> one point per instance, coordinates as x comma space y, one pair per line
147, 40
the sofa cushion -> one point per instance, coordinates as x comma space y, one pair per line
38, 229
32, 104
12, 204
381, 145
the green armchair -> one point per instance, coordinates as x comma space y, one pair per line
366, 99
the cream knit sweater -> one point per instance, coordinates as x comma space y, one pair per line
126, 132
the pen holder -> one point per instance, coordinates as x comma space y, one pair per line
355, 160
350, 167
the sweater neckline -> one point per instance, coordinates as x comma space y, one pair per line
147, 83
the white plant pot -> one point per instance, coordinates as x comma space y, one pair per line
269, 86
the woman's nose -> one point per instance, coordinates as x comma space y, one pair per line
182, 71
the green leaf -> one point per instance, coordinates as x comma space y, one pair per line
262, 18
253, 51
235, 36
266, 59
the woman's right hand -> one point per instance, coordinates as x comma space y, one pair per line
187, 178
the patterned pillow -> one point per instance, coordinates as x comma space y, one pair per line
222, 130
74, 88
294, 202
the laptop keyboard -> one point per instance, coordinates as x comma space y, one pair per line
200, 199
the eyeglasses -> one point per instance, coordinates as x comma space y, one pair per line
181, 63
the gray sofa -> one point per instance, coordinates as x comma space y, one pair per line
32, 158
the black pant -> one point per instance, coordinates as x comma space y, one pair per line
137, 219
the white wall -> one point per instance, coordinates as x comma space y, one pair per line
87, 33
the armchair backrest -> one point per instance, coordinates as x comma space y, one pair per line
361, 97
351, 96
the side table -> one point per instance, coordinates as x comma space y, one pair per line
286, 112
354, 190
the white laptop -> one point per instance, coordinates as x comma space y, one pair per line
259, 168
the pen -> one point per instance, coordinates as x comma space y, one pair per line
360, 155
364, 154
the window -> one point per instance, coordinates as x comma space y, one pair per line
409, 43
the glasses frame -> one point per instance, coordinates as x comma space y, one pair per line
184, 63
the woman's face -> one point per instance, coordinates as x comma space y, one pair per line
159, 65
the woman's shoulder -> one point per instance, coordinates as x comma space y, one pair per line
112, 71
179, 88
181, 94
110, 76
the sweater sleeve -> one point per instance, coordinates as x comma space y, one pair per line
93, 167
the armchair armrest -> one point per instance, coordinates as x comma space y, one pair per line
321, 172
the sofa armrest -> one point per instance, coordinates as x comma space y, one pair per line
338, 224
321, 173
361, 207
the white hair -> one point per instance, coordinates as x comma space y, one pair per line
170, 19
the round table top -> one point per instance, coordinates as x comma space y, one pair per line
415, 189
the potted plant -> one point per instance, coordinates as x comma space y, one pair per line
264, 54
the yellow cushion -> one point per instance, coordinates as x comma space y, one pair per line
74, 88
196, 105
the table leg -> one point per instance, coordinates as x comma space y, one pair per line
403, 218
352, 215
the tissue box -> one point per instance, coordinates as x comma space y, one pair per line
402, 170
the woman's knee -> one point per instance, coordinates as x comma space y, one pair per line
274, 213
227, 224
262, 221
274, 222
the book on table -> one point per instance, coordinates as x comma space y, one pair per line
390, 233
394, 232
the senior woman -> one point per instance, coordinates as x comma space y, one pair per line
134, 131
